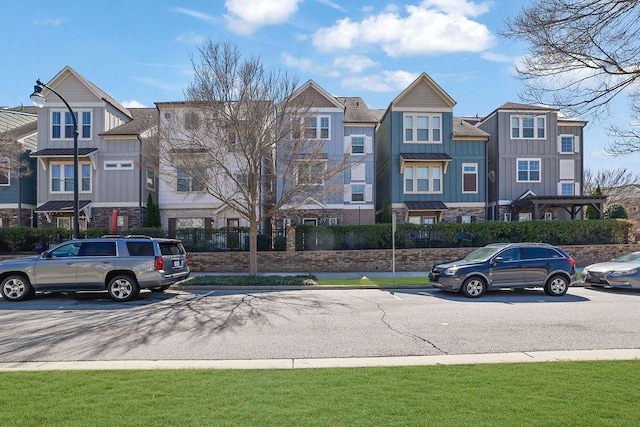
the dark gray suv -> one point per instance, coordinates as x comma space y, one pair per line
507, 265
120, 265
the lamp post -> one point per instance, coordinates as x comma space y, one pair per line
38, 100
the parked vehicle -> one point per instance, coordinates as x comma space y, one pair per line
120, 265
620, 272
507, 265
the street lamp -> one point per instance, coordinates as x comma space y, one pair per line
38, 100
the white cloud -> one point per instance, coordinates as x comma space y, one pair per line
132, 104
48, 22
307, 65
497, 57
386, 81
191, 38
432, 27
354, 63
247, 16
195, 14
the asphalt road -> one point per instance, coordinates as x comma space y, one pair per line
230, 324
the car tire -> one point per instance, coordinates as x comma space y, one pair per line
123, 288
160, 288
474, 287
556, 286
16, 287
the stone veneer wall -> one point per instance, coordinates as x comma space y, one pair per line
369, 260
100, 217
10, 217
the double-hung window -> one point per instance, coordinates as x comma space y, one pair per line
469, 177
568, 144
528, 170
357, 145
62, 124
528, 127
422, 179
61, 178
318, 127
357, 192
186, 183
422, 128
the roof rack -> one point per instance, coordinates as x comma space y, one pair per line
137, 236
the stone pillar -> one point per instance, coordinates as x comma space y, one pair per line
291, 239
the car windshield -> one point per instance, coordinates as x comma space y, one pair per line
482, 254
632, 257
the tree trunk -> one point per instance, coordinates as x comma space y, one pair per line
253, 248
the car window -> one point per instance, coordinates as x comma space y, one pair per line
534, 253
97, 249
66, 251
511, 254
551, 253
630, 257
140, 248
481, 254
171, 248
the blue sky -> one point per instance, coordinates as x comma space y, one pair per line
139, 51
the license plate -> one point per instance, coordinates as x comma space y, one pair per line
176, 263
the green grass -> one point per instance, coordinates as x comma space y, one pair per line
537, 394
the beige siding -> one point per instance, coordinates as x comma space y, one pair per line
74, 91
422, 96
316, 99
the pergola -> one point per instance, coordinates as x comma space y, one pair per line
572, 204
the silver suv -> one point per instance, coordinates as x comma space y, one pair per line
121, 265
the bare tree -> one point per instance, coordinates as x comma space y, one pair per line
243, 140
626, 141
13, 159
613, 182
582, 53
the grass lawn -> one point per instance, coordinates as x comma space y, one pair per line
536, 394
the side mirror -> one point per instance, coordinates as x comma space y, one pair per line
497, 260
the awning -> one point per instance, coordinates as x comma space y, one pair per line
65, 153
426, 206
64, 206
421, 158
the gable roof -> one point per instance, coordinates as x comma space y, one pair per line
142, 119
424, 79
318, 97
99, 93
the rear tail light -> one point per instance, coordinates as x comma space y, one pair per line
572, 262
158, 264
186, 260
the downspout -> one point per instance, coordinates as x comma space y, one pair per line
140, 223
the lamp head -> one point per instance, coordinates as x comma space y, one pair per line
36, 97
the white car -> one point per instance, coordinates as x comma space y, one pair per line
622, 272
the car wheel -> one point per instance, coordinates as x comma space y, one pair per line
160, 288
16, 287
123, 288
556, 286
473, 287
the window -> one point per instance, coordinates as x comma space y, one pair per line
567, 189
97, 249
151, 180
469, 177
357, 145
140, 248
567, 144
422, 179
185, 183
191, 120
357, 193
242, 181
311, 173
318, 127
61, 178
5, 172
528, 170
529, 127
422, 128
189, 223
60, 130
118, 165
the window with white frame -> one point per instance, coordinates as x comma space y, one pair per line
61, 178
567, 144
318, 127
64, 130
528, 170
185, 182
469, 177
118, 165
528, 127
150, 180
357, 192
311, 172
182, 223
422, 128
567, 188
357, 144
67, 222
422, 179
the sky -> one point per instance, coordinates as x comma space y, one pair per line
140, 52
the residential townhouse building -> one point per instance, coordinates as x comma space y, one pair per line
346, 127
113, 173
18, 130
430, 165
534, 164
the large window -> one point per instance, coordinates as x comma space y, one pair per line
423, 179
311, 172
185, 183
64, 130
528, 170
422, 128
61, 178
529, 127
318, 127
469, 177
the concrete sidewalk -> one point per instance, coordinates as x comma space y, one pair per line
354, 362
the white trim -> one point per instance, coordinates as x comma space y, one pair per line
115, 205
118, 165
422, 109
62, 164
535, 118
430, 128
475, 165
523, 159
466, 205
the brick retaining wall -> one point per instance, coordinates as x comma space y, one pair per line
369, 260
